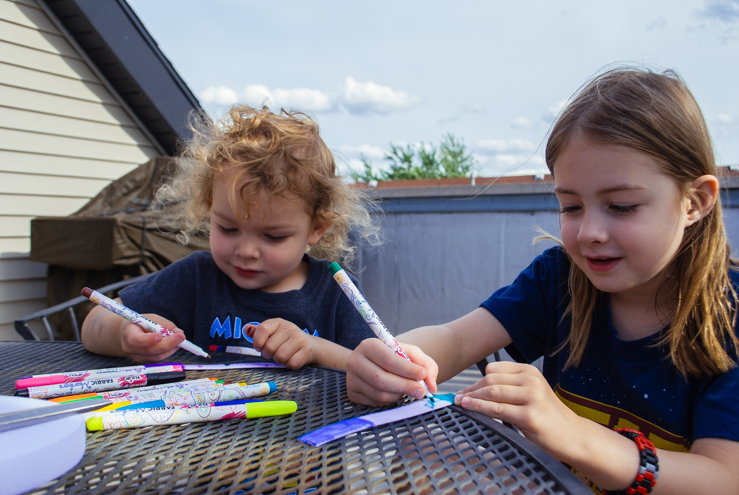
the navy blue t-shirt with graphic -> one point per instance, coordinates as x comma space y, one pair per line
618, 383
200, 299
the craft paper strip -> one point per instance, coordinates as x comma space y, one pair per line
231, 366
343, 428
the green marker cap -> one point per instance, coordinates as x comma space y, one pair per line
270, 408
334, 267
95, 424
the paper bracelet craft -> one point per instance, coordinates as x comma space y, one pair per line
230, 366
348, 426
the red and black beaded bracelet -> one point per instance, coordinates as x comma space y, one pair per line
647, 475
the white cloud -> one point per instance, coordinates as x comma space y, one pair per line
553, 111
498, 146
725, 11
521, 123
474, 109
304, 98
257, 95
726, 119
511, 164
371, 98
354, 97
219, 95
368, 150
722, 18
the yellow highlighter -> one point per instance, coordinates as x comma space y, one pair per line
135, 418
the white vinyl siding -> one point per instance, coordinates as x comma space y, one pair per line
63, 137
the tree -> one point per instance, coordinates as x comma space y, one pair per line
451, 159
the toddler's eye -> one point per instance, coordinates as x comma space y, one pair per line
226, 230
275, 238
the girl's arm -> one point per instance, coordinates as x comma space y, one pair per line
104, 332
377, 376
519, 394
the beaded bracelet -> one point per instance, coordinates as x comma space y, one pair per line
647, 475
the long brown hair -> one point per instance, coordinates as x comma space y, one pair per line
655, 113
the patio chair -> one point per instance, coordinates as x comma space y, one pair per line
24, 329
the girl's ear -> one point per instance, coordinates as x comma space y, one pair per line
703, 194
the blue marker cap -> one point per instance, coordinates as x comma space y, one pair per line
143, 405
272, 386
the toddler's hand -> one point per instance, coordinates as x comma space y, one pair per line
376, 376
146, 347
283, 342
519, 394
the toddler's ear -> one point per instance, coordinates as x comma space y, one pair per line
703, 194
320, 226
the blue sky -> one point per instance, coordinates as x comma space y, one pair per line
492, 73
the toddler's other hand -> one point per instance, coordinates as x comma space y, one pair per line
146, 347
283, 342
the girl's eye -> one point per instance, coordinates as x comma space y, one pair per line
226, 230
568, 209
624, 208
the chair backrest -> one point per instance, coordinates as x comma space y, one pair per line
24, 329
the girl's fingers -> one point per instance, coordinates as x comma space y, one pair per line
503, 394
496, 410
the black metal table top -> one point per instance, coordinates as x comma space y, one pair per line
443, 451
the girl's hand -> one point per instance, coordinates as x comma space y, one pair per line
147, 347
376, 376
519, 394
284, 343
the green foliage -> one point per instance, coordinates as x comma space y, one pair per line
450, 159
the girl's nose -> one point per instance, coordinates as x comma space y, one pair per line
593, 229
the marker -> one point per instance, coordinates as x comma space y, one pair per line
192, 396
369, 315
138, 319
40, 381
142, 394
234, 349
200, 397
199, 383
135, 418
99, 385
138, 368
155, 404
159, 404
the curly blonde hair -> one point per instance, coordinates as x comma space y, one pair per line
279, 154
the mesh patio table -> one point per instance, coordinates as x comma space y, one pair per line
444, 451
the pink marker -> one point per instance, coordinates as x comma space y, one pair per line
100, 385
40, 381
138, 319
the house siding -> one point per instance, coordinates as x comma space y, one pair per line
64, 135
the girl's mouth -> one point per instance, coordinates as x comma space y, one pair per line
602, 264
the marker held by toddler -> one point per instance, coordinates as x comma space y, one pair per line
369, 315
138, 319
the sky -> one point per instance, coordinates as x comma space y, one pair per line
492, 73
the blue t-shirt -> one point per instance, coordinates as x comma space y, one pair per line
618, 383
200, 299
